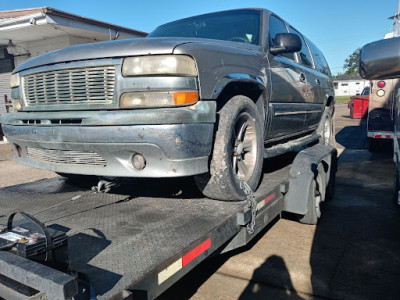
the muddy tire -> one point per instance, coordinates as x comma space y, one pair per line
237, 151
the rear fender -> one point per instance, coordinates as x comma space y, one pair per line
302, 173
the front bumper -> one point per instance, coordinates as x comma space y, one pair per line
169, 150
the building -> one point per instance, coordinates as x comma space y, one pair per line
26, 33
349, 85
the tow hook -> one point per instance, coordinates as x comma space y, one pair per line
104, 186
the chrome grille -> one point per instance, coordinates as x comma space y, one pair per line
69, 157
94, 85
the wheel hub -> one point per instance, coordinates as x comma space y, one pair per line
239, 149
245, 147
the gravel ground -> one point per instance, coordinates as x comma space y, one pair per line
12, 173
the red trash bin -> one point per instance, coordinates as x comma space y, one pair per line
358, 107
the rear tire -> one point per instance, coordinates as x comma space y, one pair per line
313, 205
325, 128
373, 145
321, 182
238, 151
330, 188
396, 188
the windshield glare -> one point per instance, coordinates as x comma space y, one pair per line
237, 26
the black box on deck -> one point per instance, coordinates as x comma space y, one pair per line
28, 239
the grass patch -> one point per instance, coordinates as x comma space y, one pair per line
342, 99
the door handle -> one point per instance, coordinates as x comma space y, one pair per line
302, 77
318, 82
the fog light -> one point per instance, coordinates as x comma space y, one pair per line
138, 162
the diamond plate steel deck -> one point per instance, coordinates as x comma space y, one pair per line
119, 237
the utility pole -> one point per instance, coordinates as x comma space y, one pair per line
396, 21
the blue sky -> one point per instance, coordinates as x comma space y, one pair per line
336, 27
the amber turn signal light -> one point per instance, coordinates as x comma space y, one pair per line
185, 97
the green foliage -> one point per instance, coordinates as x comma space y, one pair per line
351, 64
342, 99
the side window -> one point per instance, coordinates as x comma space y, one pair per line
319, 60
277, 26
304, 54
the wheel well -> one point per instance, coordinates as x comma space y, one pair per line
248, 89
330, 100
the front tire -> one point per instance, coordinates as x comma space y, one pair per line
237, 152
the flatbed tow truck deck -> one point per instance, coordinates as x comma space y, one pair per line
142, 236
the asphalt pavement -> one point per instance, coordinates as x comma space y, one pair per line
353, 253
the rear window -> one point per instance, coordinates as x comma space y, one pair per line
319, 60
236, 26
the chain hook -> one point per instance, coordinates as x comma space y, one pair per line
251, 203
104, 186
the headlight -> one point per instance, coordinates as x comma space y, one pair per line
14, 81
159, 65
158, 99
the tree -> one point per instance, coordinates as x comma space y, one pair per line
351, 64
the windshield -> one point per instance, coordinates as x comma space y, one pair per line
237, 26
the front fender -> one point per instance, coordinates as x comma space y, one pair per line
239, 78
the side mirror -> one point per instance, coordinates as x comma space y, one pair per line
286, 43
380, 59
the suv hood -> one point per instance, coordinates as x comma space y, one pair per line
121, 48
108, 49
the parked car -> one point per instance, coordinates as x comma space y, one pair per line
365, 91
208, 96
